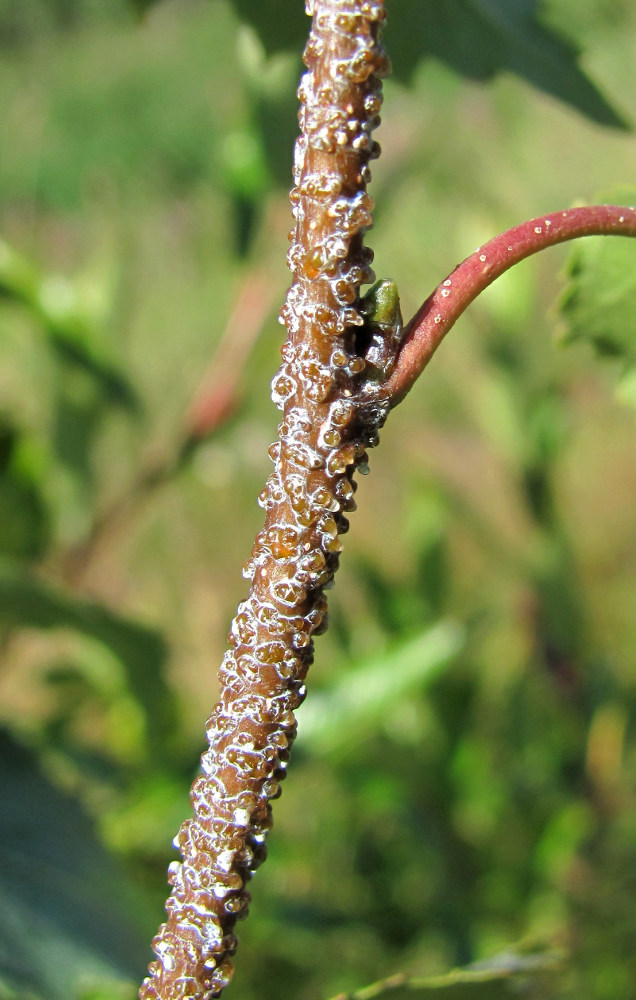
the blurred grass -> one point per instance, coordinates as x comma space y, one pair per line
496, 801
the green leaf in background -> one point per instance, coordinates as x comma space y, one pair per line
270, 83
107, 989
279, 26
359, 699
67, 914
507, 975
477, 38
26, 602
55, 305
142, 6
24, 519
598, 304
480, 38
626, 388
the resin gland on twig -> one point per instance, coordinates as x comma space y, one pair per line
328, 387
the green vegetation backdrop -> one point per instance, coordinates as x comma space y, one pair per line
464, 778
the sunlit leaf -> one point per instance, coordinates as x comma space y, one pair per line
109, 989
363, 695
54, 304
626, 388
279, 26
477, 38
24, 521
481, 38
598, 304
27, 602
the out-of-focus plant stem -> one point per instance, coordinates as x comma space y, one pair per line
214, 403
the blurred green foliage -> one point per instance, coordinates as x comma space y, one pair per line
464, 775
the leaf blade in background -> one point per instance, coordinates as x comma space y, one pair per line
278, 26
25, 527
478, 38
482, 38
356, 700
67, 912
598, 303
27, 602
54, 304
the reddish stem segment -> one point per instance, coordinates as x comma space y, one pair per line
437, 315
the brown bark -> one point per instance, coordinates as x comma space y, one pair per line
329, 394
335, 387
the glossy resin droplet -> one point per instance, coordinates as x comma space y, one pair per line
330, 395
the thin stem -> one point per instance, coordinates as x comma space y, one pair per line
442, 309
218, 394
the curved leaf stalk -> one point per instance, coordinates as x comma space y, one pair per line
441, 310
329, 390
